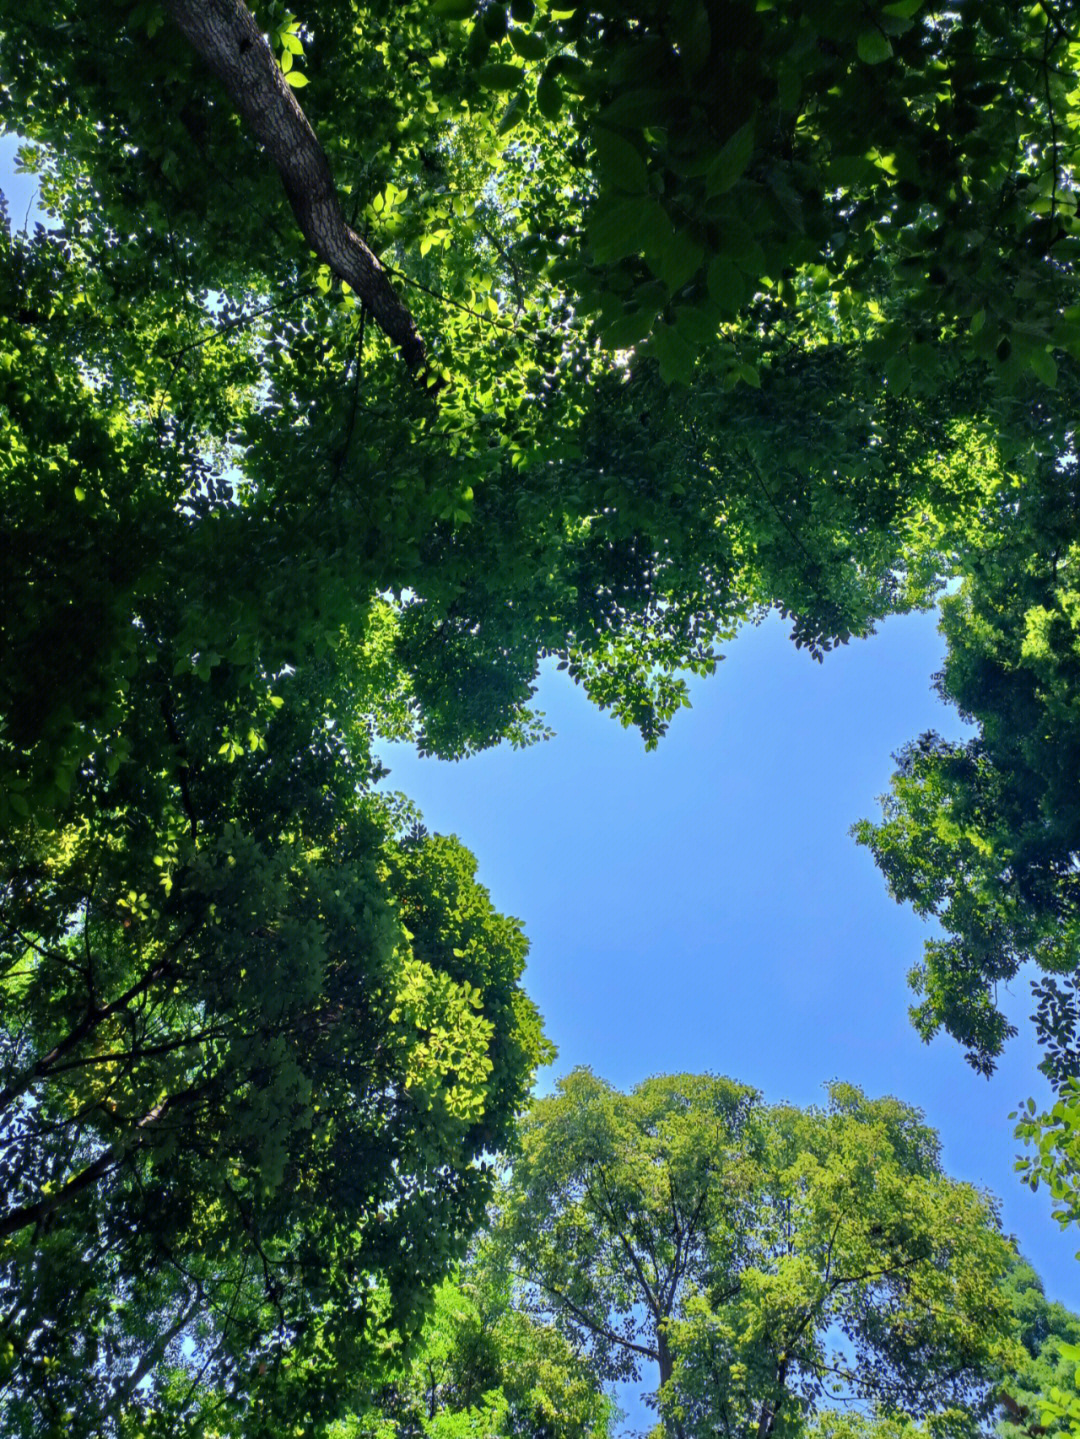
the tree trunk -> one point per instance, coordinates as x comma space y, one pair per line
666, 1361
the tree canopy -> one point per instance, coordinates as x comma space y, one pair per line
982, 834
252, 1077
762, 1258
485, 1370
370, 357
544, 496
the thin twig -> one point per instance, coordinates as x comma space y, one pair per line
446, 299
299, 292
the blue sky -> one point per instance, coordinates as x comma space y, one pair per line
704, 908
19, 190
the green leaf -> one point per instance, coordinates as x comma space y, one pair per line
697, 324
296, 80
621, 164
674, 354
578, 77
499, 76
655, 230
728, 286
902, 9
1044, 365
513, 113
637, 108
898, 373
453, 9
495, 22
549, 98
628, 330
789, 83
528, 45
694, 34
873, 47
80, 493
680, 260
614, 227
732, 160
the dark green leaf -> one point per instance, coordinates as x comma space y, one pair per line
528, 45
495, 22
731, 163
621, 163
728, 286
874, 47
680, 260
499, 76
513, 113
549, 98
627, 330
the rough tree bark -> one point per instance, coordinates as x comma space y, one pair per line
227, 37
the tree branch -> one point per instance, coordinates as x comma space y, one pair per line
16, 1219
631, 1254
26, 1214
183, 773
227, 37
139, 1053
154, 1355
93, 1017
587, 1319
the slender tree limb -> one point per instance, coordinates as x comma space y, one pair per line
16, 1219
136, 1055
86, 1026
227, 37
1051, 13
229, 1313
449, 300
248, 318
874, 1273
27, 1214
629, 1250
183, 773
832, 1241
588, 1320
777, 511
358, 371
153, 1355
684, 1240
93, 1017
767, 1422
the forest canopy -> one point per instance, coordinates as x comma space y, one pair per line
367, 358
